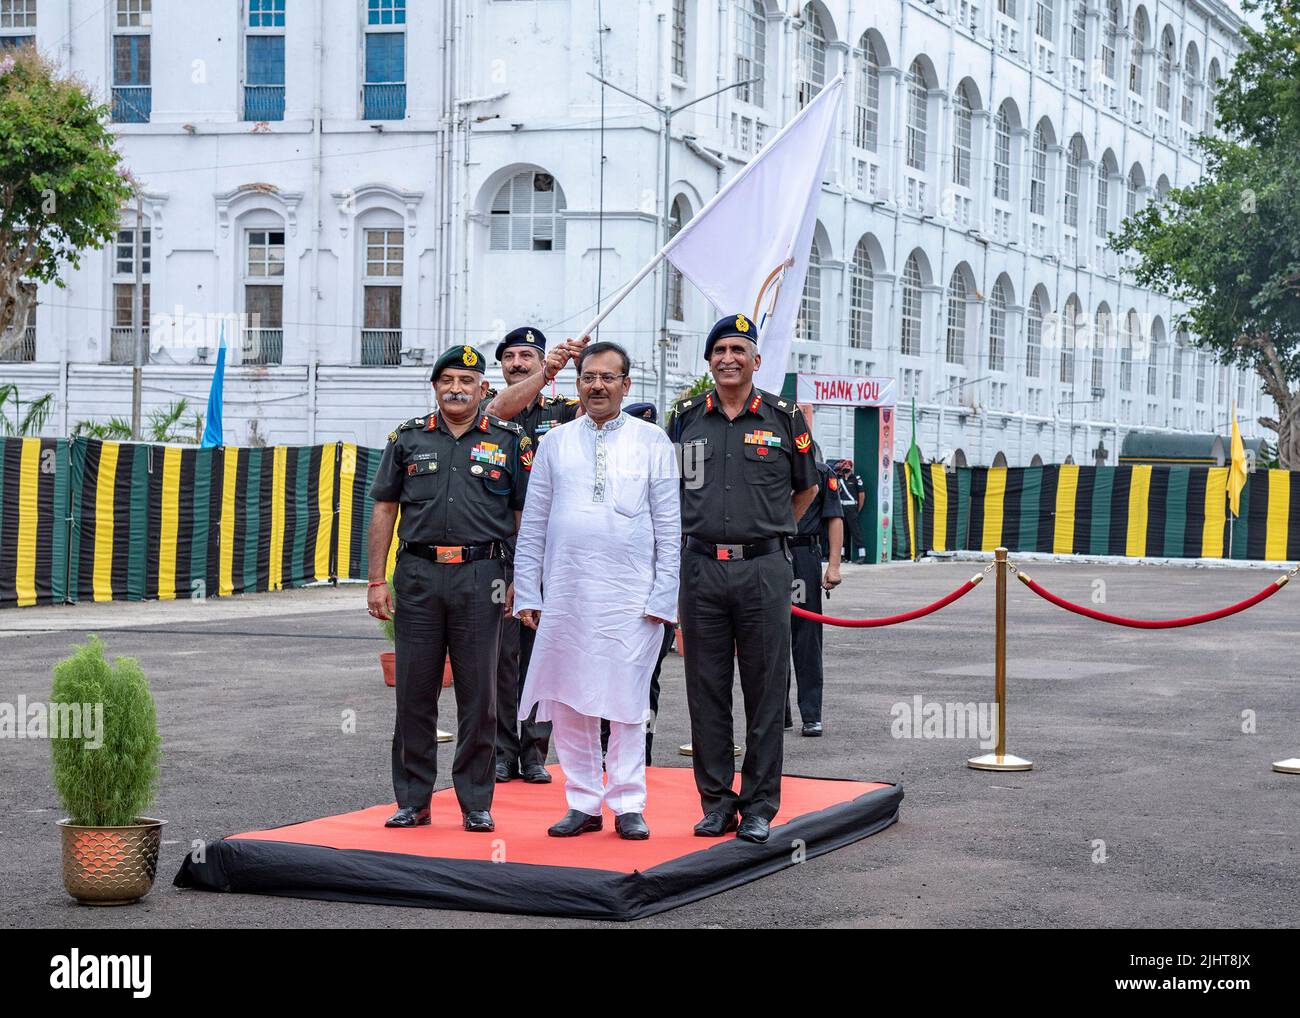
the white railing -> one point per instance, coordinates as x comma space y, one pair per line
1002, 223
915, 193
1006, 33
22, 348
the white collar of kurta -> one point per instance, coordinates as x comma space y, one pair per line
610, 425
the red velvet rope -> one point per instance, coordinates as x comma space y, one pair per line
1120, 620
890, 620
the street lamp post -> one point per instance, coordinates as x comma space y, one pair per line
666, 113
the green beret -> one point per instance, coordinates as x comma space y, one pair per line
458, 357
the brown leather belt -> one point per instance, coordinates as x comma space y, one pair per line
455, 553
729, 552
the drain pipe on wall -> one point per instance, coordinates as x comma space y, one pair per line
313, 343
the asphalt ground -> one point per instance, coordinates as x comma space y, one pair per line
1140, 758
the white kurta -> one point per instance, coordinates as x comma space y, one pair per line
601, 535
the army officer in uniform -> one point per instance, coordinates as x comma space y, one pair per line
522, 745
747, 476
459, 476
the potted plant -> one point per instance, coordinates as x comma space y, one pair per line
106, 776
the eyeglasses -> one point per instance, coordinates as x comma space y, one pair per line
589, 378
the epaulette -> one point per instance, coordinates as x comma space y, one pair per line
786, 406
486, 419
687, 403
414, 422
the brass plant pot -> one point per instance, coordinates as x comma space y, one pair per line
111, 865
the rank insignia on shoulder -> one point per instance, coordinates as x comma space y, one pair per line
803, 442
483, 423
431, 422
392, 436
782, 403
708, 402
755, 403
686, 404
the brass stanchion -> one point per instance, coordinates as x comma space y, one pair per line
1000, 759
1291, 766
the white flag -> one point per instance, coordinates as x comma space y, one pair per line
747, 249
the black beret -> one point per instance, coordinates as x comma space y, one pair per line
731, 325
646, 411
525, 335
458, 357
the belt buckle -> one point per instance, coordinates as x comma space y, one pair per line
446, 554
727, 552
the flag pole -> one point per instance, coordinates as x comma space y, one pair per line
618, 297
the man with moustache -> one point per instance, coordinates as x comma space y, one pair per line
747, 476
459, 477
602, 526
522, 744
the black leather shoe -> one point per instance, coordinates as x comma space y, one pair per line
409, 816
575, 822
715, 824
536, 774
631, 826
480, 821
754, 829
813, 729
505, 772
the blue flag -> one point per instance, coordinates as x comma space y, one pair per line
212, 426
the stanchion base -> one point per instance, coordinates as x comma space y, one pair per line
993, 762
1291, 766
445, 736
685, 750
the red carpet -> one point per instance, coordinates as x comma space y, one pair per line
520, 869
523, 812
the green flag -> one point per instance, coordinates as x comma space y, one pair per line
914, 461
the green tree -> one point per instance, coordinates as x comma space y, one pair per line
24, 422
62, 184
1229, 245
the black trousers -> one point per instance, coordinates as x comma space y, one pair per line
853, 536
519, 743
670, 636
737, 610
456, 609
806, 635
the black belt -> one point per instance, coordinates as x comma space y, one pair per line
805, 542
727, 552
449, 554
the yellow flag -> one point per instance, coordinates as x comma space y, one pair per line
1237, 470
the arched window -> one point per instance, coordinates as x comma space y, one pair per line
1165, 78
1102, 222
1211, 93
917, 116
808, 326
1136, 180
866, 121
1110, 39
1073, 171
861, 298
751, 50
909, 344
679, 38
955, 348
1044, 18
961, 137
1191, 78
528, 214
1126, 352
998, 328
1034, 337
1038, 173
1069, 332
677, 218
1139, 44
811, 68
1100, 339
1002, 154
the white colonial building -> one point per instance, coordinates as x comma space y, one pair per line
353, 185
